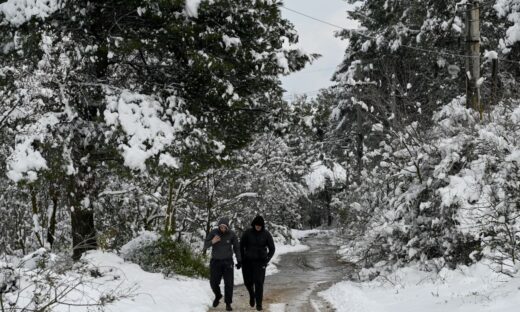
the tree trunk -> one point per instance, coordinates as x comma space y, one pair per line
359, 143
82, 218
51, 231
36, 217
170, 225
359, 124
83, 232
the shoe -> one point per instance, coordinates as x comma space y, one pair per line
228, 307
259, 308
217, 300
252, 301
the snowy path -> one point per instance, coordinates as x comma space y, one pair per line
301, 276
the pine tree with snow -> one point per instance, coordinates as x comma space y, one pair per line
148, 86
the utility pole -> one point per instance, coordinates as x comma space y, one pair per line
473, 56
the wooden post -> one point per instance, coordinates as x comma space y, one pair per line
473, 56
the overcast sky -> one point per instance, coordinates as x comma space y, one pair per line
316, 37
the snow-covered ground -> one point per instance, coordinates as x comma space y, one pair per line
114, 277
155, 293
152, 292
474, 288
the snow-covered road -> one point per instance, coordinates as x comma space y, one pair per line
301, 275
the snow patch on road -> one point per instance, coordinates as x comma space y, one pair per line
277, 307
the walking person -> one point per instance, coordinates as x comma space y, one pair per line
257, 249
223, 242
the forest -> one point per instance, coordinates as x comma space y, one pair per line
129, 127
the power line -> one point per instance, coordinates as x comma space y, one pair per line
453, 54
313, 18
370, 37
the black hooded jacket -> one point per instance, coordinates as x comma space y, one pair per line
254, 245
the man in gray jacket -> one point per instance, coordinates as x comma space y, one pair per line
223, 243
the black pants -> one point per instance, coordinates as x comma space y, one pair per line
254, 277
219, 269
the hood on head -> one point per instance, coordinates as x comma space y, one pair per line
258, 220
224, 221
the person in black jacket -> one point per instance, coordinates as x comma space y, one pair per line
254, 246
223, 243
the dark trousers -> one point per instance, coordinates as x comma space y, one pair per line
219, 269
254, 277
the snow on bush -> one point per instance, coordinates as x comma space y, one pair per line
145, 239
148, 127
8, 278
450, 192
100, 281
24, 162
45, 281
192, 8
511, 10
17, 12
320, 173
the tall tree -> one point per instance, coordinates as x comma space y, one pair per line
171, 86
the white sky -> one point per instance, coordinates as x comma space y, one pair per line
316, 37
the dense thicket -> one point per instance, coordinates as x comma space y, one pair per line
426, 177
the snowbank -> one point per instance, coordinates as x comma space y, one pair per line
474, 288
156, 293
300, 234
100, 280
104, 277
153, 291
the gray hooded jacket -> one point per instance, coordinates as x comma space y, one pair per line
228, 244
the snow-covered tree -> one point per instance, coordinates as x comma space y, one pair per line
113, 87
412, 144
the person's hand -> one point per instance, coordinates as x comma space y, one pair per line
239, 265
215, 239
